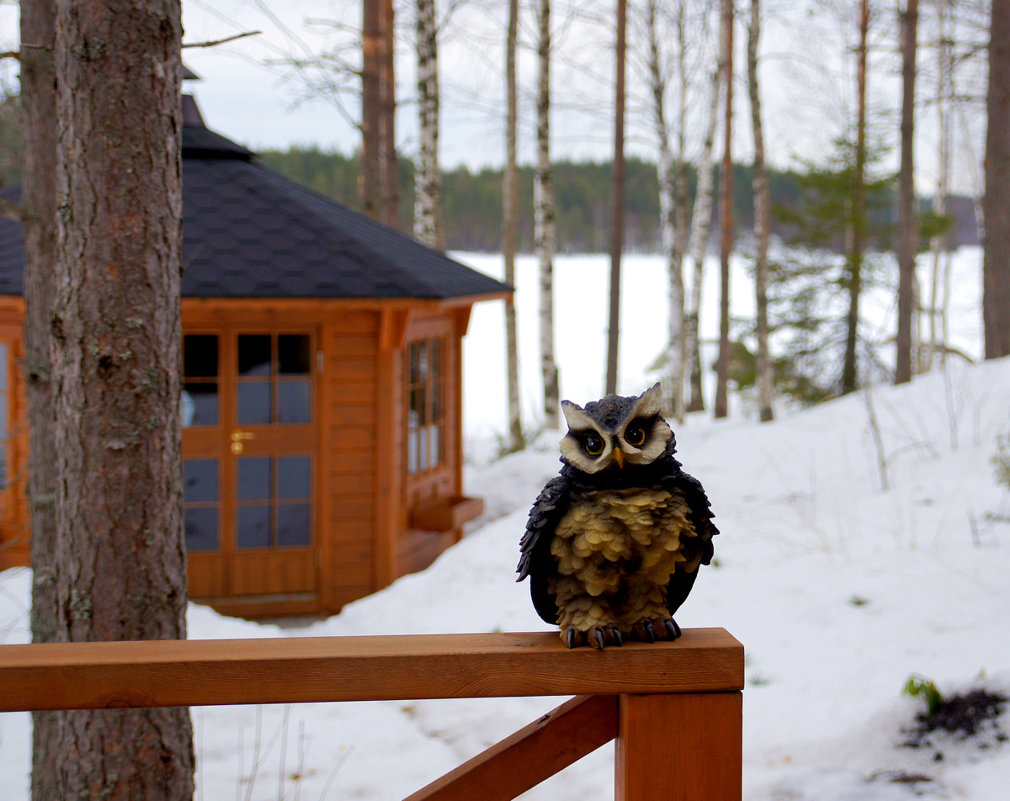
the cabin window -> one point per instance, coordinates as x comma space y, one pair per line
201, 500
5, 408
274, 379
425, 405
200, 393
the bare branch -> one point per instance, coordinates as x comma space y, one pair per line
15, 54
12, 210
216, 42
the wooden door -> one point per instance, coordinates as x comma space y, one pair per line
251, 462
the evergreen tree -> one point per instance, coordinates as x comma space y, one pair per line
810, 285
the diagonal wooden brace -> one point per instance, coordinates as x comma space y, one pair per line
534, 753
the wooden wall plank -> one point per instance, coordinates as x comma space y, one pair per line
291, 670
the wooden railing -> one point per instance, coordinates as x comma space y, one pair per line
675, 709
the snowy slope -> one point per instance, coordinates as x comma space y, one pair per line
838, 588
839, 591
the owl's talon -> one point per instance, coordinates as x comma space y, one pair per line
570, 636
599, 639
672, 629
614, 634
650, 635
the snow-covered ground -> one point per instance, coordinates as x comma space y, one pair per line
839, 589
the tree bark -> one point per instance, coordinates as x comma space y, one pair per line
941, 260
389, 168
510, 226
850, 370
996, 203
726, 218
544, 220
907, 218
617, 202
762, 219
38, 198
428, 227
371, 108
701, 220
668, 215
116, 377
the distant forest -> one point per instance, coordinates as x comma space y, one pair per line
472, 201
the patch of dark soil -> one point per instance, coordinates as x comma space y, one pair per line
971, 715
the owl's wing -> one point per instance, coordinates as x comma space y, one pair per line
535, 558
699, 550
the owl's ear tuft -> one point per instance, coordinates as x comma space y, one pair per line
650, 402
576, 416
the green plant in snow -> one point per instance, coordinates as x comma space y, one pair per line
1001, 459
921, 686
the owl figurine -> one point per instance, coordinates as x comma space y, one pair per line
613, 544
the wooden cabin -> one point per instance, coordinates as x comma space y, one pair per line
322, 445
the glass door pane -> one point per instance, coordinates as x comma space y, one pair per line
200, 391
201, 504
273, 496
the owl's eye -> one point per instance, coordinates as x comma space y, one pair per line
635, 435
593, 443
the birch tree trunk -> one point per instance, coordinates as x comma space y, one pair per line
428, 175
544, 219
907, 218
116, 378
617, 203
510, 232
38, 198
762, 218
668, 214
701, 221
941, 260
726, 218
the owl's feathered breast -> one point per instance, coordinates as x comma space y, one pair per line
653, 523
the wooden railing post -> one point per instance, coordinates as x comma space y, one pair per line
680, 747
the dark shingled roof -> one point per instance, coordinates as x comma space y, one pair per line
249, 232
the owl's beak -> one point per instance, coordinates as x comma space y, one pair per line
619, 457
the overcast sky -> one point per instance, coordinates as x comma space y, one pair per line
247, 94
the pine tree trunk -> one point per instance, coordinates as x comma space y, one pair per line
850, 371
544, 220
371, 109
617, 203
762, 218
510, 231
668, 214
907, 223
701, 220
428, 175
389, 168
996, 203
116, 364
38, 197
726, 218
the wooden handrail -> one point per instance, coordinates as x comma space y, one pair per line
305, 669
675, 709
